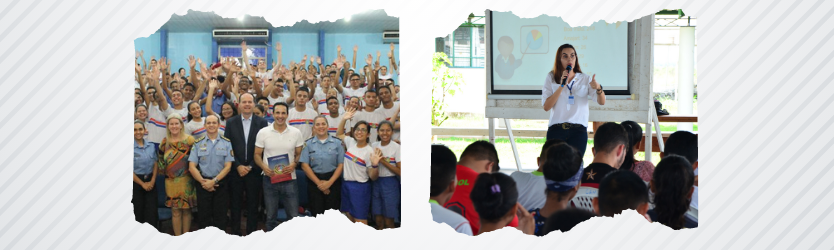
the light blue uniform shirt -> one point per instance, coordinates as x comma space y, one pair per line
144, 156
211, 156
323, 157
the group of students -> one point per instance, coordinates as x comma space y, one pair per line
469, 194
235, 133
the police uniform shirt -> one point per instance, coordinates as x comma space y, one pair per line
323, 157
211, 155
143, 158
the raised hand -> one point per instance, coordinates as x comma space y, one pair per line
376, 156
369, 60
243, 47
355, 48
212, 85
339, 49
594, 83
278, 46
392, 47
318, 60
349, 112
378, 54
191, 61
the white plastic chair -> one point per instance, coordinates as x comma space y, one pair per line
584, 198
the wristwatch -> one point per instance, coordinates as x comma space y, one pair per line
600, 89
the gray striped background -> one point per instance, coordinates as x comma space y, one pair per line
765, 106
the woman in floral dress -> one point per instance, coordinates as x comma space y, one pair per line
173, 162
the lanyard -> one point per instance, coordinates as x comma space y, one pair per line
570, 86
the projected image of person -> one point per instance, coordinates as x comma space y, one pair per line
505, 63
565, 94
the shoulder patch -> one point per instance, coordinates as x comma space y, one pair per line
200, 139
224, 138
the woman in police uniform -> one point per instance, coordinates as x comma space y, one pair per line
321, 159
144, 176
567, 97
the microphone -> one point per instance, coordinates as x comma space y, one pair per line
566, 79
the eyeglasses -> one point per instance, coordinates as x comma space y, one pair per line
362, 130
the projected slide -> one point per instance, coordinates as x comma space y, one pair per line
524, 50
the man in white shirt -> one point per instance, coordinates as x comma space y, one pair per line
443, 183
301, 117
279, 140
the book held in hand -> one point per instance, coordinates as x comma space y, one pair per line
277, 164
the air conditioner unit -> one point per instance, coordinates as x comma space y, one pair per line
391, 36
241, 34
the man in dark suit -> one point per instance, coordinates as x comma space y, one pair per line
241, 131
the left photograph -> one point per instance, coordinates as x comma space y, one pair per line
242, 126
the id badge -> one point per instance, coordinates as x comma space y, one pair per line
570, 100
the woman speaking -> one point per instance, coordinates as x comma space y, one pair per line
565, 94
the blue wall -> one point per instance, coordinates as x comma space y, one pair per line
150, 45
182, 45
294, 47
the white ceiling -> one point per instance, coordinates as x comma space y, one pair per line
367, 22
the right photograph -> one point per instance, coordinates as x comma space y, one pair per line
539, 125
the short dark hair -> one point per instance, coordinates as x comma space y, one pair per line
563, 162
480, 150
188, 84
683, 143
443, 169
608, 136
303, 88
383, 87
621, 190
275, 106
356, 75
261, 108
492, 202
547, 145
565, 220
332, 97
262, 98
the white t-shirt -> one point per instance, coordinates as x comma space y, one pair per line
389, 113
562, 112
357, 161
333, 124
196, 129
277, 143
390, 153
530, 189
372, 118
442, 215
303, 121
349, 92
183, 112
156, 124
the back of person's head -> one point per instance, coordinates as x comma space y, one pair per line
564, 220
608, 137
562, 170
683, 143
443, 169
621, 190
635, 134
672, 186
481, 151
547, 144
494, 195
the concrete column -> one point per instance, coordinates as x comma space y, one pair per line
686, 75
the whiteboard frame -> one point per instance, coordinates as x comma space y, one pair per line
617, 108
